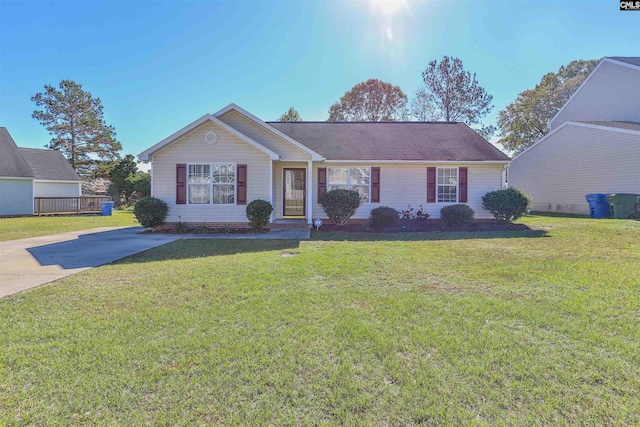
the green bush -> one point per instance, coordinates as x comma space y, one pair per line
151, 212
506, 205
383, 216
258, 213
340, 204
456, 215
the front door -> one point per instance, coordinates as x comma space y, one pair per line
294, 192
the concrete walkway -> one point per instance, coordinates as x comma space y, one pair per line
31, 262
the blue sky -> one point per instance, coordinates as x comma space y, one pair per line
157, 66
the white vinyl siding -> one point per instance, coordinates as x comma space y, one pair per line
576, 161
192, 149
403, 184
16, 196
612, 93
262, 136
56, 189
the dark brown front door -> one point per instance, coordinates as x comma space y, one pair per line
294, 192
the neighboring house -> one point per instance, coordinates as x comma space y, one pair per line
593, 145
26, 173
209, 170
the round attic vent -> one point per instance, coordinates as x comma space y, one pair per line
210, 137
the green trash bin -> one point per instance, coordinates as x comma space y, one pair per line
623, 205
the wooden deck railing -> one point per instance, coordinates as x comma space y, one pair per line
68, 205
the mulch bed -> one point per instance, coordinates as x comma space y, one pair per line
413, 225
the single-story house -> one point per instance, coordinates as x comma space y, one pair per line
593, 145
26, 173
210, 169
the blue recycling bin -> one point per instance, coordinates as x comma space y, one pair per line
106, 208
598, 205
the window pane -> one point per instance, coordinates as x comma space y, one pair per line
199, 174
447, 194
223, 194
338, 176
447, 176
359, 176
333, 187
199, 193
224, 174
363, 190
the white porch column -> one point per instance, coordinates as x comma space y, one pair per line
309, 192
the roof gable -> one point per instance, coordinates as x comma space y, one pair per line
12, 163
393, 141
147, 154
266, 126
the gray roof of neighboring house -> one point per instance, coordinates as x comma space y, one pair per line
32, 162
49, 165
617, 125
12, 163
421, 141
633, 60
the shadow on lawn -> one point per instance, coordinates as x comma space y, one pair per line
201, 248
425, 236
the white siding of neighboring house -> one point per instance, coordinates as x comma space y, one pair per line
16, 196
56, 189
264, 137
573, 162
404, 184
611, 93
192, 149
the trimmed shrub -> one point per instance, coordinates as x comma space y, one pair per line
456, 215
383, 216
258, 213
150, 212
340, 204
506, 205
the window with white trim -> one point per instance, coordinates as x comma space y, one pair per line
351, 178
211, 183
447, 185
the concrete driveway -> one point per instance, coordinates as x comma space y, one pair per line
31, 262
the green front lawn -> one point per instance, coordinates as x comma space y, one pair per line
539, 327
33, 226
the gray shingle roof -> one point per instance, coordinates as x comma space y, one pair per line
49, 164
32, 162
633, 60
617, 125
12, 164
421, 141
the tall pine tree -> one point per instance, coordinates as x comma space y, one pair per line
75, 119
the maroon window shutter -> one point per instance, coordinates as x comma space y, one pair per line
431, 185
375, 185
241, 185
322, 181
462, 184
181, 184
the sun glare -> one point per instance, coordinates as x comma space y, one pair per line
388, 7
